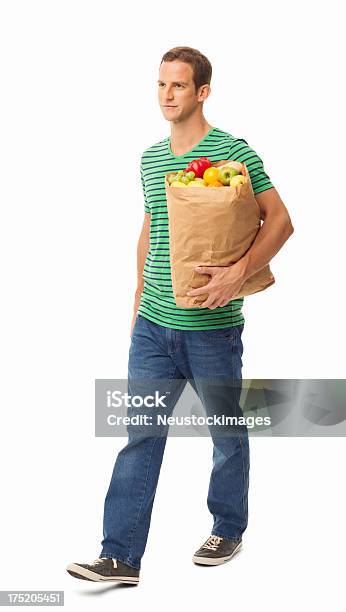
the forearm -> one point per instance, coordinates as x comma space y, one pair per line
142, 251
272, 235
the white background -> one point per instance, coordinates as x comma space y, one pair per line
78, 107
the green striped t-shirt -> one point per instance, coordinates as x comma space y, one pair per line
157, 301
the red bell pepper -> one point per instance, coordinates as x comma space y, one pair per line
198, 166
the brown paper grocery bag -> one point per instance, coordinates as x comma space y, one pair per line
211, 227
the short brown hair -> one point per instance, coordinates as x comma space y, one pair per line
201, 66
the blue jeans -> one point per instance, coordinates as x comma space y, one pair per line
176, 355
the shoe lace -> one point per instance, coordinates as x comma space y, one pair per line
98, 561
212, 542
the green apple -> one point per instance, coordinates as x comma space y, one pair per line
226, 173
234, 164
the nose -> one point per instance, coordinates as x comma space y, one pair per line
169, 95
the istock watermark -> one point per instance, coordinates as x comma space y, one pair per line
204, 407
117, 399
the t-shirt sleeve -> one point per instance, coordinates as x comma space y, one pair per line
242, 152
146, 204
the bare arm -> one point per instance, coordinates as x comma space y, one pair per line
275, 230
142, 251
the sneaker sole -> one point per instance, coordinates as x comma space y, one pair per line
217, 560
82, 572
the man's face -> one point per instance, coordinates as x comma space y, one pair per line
177, 96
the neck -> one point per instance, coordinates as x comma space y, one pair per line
186, 134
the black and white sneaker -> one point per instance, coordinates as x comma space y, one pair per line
104, 569
216, 550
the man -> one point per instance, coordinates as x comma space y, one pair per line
185, 344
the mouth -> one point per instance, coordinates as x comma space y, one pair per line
168, 106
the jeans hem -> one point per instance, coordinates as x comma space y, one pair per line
223, 535
122, 559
